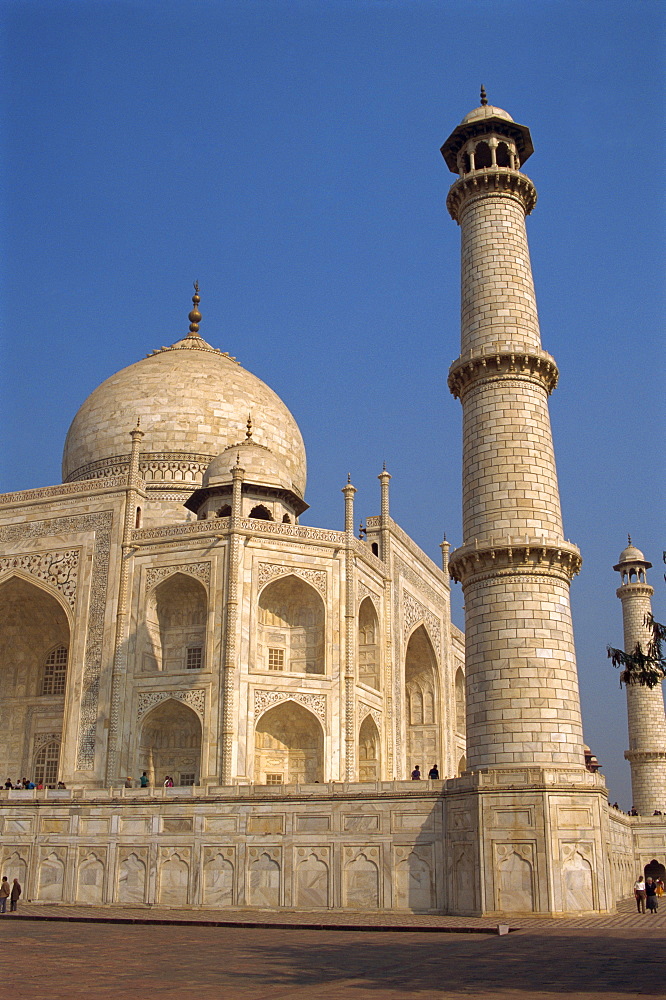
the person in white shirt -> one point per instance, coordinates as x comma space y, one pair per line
639, 893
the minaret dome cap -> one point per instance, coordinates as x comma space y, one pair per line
486, 111
632, 556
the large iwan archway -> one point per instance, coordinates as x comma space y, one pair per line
423, 745
176, 625
35, 659
171, 744
291, 627
289, 746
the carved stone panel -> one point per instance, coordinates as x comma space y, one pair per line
514, 875
312, 868
315, 577
58, 568
200, 570
219, 876
413, 611
264, 876
195, 699
316, 703
577, 883
413, 879
90, 876
174, 876
360, 882
131, 882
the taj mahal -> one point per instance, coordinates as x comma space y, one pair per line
165, 613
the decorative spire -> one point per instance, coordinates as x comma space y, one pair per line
484, 98
349, 477
248, 432
629, 539
195, 316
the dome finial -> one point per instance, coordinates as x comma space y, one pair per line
195, 316
629, 539
248, 432
484, 97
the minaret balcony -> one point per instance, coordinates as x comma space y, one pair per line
521, 554
502, 361
491, 180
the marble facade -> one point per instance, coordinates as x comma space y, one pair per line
164, 611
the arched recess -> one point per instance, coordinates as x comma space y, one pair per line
655, 870
368, 644
46, 762
170, 744
482, 156
503, 155
176, 625
131, 880
462, 765
174, 880
288, 746
218, 881
15, 866
368, 751
515, 884
423, 744
90, 882
51, 878
461, 725
34, 661
312, 883
291, 627
261, 513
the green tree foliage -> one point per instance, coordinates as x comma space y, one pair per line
646, 667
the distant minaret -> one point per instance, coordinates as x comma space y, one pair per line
645, 706
514, 564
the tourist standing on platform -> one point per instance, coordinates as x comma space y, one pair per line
14, 896
4, 893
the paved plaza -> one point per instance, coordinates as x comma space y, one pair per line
64, 953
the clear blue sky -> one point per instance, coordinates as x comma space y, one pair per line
286, 155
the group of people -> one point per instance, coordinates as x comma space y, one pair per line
144, 781
432, 773
9, 892
27, 783
647, 892
634, 811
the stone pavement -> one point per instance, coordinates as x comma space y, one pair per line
47, 955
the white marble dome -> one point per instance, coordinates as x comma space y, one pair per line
193, 402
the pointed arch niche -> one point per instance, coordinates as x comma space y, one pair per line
368, 644
34, 654
368, 751
291, 627
423, 746
170, 744
288, 746
176, 625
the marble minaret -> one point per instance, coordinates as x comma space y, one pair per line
515, 566
645, 706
